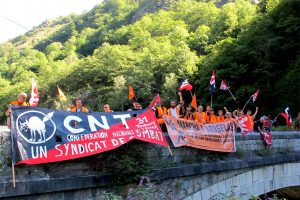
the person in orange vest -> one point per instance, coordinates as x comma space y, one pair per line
220, 117
189, 114
231, 123
207, 109
210, 117
176, 110
106, 108
160, 111
252, 117
238, 114
21, 101
79, 107
199, 115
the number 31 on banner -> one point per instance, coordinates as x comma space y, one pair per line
142, 120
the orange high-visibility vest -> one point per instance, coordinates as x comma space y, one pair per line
200, 119
16, 103
74, 109
161, 111
177, 111
190, 117
220, 118
210, 119
83, 109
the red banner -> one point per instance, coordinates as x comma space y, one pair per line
44, 135
215, 137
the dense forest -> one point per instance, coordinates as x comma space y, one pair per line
151, 44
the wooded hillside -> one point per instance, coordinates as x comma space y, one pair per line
145, 43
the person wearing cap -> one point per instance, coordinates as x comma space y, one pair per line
21, 101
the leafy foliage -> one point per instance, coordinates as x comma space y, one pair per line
150, 44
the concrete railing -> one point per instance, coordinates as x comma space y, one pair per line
77, 175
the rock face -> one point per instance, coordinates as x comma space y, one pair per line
186, 173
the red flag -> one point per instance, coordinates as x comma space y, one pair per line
212, 82
254, 96
266, 132
288, 120
224, 85
194, 102
34, 99
155, 100
245, 124
184, 85
131, 93
266, 136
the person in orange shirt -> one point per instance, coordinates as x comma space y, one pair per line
189, 114
79, 107
220, 117
160, 111
252, 117
207, 110
21, 101
231, 123
210, 118
106, 108
199, 115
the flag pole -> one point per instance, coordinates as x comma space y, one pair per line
231, 94
191, 94
211, 100
170, 150
276, 117
13, 174
12, 150
246, 103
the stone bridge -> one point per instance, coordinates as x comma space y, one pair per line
253, 170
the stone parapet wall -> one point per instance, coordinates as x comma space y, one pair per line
164, 169
248, 145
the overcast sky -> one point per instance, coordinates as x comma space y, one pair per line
30, 13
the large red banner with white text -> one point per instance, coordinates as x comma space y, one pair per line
45, 135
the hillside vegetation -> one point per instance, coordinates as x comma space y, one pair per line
145, 43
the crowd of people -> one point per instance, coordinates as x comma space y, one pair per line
176, 110
208, 115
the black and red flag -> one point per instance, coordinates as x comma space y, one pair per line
184, 85
224, 86
42, 135
155, 101
255, 95
266, 132
212, 82
287, 116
